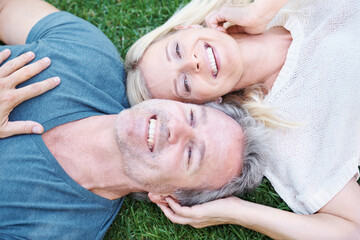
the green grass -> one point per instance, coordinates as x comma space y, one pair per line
142, 220
124, 21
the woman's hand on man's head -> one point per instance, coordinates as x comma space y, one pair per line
12, 73
212, 213
251, 18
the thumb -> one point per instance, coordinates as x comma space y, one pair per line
21, 127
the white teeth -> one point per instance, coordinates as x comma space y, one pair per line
151, 134
210, 53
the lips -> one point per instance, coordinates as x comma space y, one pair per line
151, 133
213, 61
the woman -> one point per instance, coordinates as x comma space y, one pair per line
240, 57
205, 64
311, 70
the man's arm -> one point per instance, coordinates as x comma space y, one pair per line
17, 17
339, 219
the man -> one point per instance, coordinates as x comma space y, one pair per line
69, 182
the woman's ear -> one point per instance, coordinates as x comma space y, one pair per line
187, 27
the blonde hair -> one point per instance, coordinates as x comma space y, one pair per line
251, 98
192, 13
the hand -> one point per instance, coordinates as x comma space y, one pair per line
207, 214
251, 18
13, 73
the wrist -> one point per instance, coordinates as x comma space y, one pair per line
237, 211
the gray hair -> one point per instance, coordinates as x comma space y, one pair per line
255, 156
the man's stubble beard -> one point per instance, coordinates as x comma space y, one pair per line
134, 161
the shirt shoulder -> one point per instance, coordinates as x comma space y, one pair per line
88, 64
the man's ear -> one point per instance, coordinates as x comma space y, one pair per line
159, 198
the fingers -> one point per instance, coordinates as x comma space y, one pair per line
215, 20
36, 89
246, 18
20, 127
13, 73
28, 71
16, 63
172, 216
178, 209
4, 55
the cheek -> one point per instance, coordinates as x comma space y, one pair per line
205, 91
171, 162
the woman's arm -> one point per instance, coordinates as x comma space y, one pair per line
251, 18
13, 73
339, 219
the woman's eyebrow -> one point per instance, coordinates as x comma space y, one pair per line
176, 88
167, 52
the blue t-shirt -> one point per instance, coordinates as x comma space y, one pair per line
38, 199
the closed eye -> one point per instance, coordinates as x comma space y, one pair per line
191, 118
177, 49
189, 155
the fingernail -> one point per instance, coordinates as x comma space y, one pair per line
6, 51
30, 54
37, 130
46, 60
56, 80
167, 200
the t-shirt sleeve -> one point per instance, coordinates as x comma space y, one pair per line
88, 64
67, 27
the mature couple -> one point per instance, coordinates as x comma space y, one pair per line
70, 181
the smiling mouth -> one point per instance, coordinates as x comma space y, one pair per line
212, 60
151, 133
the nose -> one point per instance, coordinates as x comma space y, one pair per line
179, 131
192, 63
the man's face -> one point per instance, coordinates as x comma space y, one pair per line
168, 145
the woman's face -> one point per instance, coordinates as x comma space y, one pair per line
192, 65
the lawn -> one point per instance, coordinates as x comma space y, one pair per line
124, 22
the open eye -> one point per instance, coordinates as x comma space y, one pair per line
177, 49
186, 84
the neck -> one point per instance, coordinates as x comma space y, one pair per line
88, 152
263, 56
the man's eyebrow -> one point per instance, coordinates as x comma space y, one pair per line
203, 120
202, 147
203, 117
202, 150
196, 165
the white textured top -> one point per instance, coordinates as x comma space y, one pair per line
319, 87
